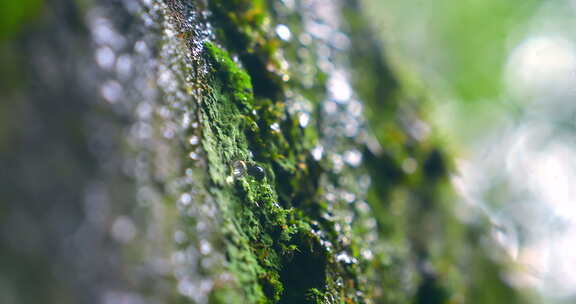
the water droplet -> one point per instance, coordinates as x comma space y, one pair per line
111, 91
318, 152
105, 57
275, 126
185, 120
123, 229
349, 197
353, 157
205, 247
345, 258
238, 168
186, 288
189, 172
124, 66
367, 254
185, 199
179, 257
303, 119
409, 165
305, 39
179, 237
283, 32
194, 140
257, 172
193, 155
339, 87
337, 162
168, 132
141, 47
330, 196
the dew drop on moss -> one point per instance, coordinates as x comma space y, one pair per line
238, 168
275, 126
257, 172
317, 152
345, 258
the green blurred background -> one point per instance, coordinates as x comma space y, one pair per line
458, 50
502, 77
16, 14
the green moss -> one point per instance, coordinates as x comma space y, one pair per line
315, 296
268, 240
245, 30
235, 80
276, 225
281, 241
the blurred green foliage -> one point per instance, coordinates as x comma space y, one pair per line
15, 13
458, 51
474, 34
464, 43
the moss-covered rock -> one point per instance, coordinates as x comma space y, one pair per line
276, 156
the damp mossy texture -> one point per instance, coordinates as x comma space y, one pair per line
364, 215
